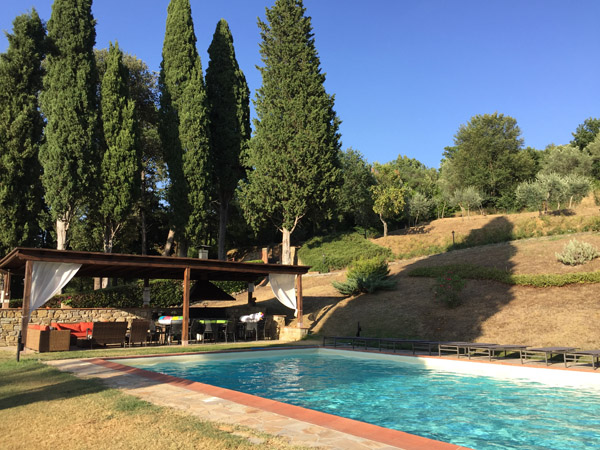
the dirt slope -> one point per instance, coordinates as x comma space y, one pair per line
491, 311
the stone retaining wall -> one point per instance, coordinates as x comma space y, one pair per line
10, 318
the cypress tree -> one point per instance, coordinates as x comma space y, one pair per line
184, 127
120, 165
21, 133
69, 102
229, 103
295, 150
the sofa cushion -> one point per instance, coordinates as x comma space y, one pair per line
35, 326
79, 329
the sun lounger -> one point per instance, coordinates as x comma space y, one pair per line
525, 353
593, 354
428, 346
458, 346
491, 349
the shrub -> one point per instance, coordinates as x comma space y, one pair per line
366, 275
447, 288
337, 251
576, 253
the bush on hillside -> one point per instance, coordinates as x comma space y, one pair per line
366, 275
332, 252
576, 253
447, 288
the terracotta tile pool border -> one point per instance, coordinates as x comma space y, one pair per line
353, 427
349, 426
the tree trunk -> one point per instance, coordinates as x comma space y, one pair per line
108, 248
223, 213
385, 226
182, 248
169, 244
62, 226
142, 204
285, 247
143, 231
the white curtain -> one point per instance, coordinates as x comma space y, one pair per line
47, 279
283, 288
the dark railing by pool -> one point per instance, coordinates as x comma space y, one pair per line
386, 344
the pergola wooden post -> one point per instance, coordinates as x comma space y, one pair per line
186, 306
299, 299
26, 302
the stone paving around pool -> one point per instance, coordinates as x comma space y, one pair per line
308, 429
219, 410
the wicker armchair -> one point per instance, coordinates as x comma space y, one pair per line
46, 340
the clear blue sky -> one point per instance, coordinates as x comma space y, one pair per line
406, 74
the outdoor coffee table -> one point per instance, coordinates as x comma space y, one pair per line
545, 351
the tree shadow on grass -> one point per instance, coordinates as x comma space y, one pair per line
66, 387
480, 299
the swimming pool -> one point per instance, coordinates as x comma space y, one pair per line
451, 401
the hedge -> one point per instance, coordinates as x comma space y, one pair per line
473, 272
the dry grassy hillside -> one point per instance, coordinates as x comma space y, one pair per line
491, 311
476, 227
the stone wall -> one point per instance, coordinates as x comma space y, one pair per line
10, 318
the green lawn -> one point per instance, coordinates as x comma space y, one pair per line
44, 408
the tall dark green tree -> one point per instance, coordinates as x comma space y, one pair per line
120, 166
229, 102
488, 155
21, 133
294, 154
586, 132
184, 128
69, 102
355, 204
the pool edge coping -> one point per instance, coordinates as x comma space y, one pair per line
352, 427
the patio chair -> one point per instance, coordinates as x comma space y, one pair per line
197, 331
174, 332
212, 329
139, 332
228, 330
251, 330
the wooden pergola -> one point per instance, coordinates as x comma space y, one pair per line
113, 265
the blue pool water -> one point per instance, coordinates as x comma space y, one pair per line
480, 412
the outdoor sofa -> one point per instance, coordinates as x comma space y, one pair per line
95, 333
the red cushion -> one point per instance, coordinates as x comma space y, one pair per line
79, 329
66, 326
83, 326
35, 326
